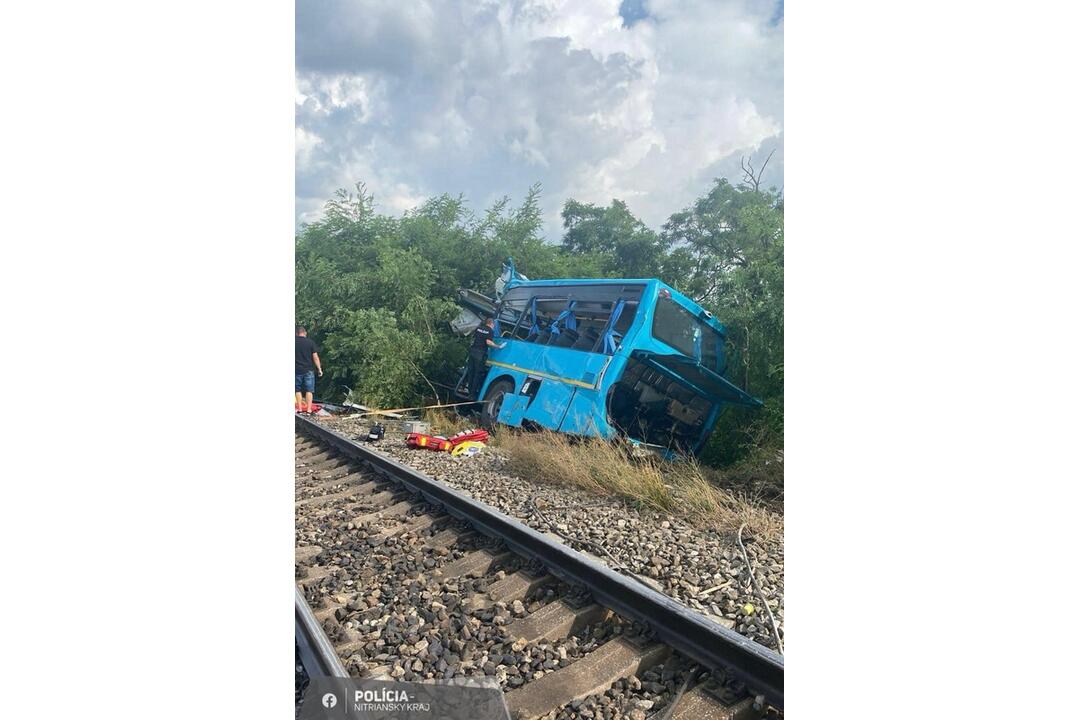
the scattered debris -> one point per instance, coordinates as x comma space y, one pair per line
416, 426
431, 442
475, 438
467, 448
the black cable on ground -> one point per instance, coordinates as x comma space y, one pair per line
764, 600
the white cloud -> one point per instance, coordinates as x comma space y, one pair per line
306, 142
326, 94
427, 97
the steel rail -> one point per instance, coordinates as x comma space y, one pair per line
316, 651
689, 632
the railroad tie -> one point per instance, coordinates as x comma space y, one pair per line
556, 620
380, 672
370, 501
344, 475
422, 522
343, 480
512, 587
475, 563
364, 489
323, 466
396, 510
324, 614
591, 675
700, 704
315, 454
344, 512
348, 648
315, 574
446, 538
328, 471
305, 554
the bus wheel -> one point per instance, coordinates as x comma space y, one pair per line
493, 400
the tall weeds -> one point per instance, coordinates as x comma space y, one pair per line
606, 468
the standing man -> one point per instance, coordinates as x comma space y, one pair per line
478, 354
307, 362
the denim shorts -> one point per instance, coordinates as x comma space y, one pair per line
305, 382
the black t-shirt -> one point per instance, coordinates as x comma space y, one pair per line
304, 347
480, 337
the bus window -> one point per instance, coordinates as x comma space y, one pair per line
528, 313
677, 326
674, 325
514, 313
712, 352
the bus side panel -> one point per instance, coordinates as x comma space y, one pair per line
549, 407
513, 409
563, 374
554, 363
587, 415
498, 372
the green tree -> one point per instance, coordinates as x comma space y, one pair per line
378, 292
727, 252
624, 245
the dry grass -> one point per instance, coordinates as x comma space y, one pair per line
606, 468
446, 422
703, 495
761, 475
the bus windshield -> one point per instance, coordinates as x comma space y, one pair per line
677, 326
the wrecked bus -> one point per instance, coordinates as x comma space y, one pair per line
602, 357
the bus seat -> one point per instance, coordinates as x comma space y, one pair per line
566, 338
587, 339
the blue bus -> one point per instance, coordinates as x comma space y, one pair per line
603, 357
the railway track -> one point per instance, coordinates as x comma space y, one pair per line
400, 576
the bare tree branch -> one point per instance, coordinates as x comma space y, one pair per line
421, 373
750, 176
763, 165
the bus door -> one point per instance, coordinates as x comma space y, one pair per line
555, 377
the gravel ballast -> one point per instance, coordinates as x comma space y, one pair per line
700, 567
402, 619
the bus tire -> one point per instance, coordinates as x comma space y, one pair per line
493, 399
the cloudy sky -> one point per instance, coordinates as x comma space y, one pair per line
641, 100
